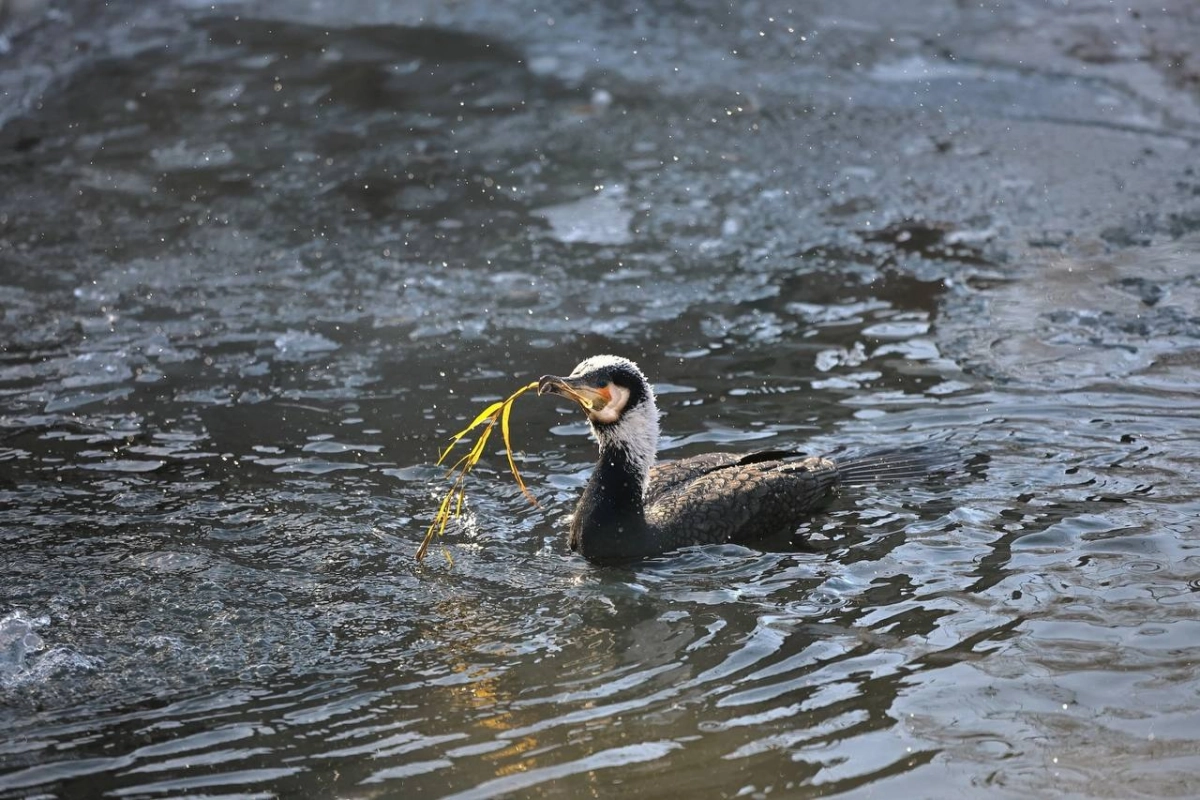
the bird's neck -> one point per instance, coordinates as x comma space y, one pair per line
610, 522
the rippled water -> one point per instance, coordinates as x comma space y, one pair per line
252, 280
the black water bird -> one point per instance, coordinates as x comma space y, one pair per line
634, 508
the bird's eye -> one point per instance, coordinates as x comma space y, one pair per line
603, 383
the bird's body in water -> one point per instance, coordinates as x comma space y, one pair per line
634, 508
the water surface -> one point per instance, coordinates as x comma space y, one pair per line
257, 269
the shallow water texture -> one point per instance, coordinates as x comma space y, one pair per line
259, 261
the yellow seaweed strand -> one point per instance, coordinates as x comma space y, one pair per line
452, 501
438, 525
508, 451
487, 414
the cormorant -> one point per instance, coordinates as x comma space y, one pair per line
633, 508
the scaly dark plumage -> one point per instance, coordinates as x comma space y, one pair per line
633, 508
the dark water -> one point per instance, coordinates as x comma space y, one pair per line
255, 270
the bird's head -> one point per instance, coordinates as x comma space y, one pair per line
618, 402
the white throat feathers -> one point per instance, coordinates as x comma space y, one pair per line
632, 428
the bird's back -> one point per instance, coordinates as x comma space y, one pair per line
716, 498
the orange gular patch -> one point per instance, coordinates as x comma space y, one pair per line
613, 399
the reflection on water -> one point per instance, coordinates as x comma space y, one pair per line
277, 266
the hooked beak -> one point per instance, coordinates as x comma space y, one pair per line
591, 398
